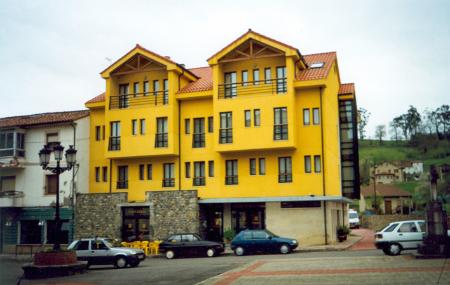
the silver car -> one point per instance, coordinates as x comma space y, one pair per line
99, 251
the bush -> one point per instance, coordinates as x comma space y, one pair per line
229, 234
342, 230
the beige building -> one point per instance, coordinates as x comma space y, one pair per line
390, 199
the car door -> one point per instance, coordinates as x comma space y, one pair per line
82, 250
408, 235
176, 244
188, 245
261, 241
100, 252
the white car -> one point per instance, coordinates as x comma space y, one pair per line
353, 219
401, 235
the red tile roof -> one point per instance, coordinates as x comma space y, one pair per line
317, 73
204, 82
43, 118
385, 190
96, 99
347, 88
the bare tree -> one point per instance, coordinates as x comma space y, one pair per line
380, 132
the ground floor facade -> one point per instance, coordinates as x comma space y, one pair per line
310, 220
33, 226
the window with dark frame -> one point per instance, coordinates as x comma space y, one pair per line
105, 173
122, 177
98, 134
123, 95
146, 88
134, 127
187, 169
149, 172
155, 87
135, 88
187, 126
306, 117
316, 116
141, 171
255, 76
226, 128
317, 164
199, 173
210, 124
114, 139
284, 169
280, 128
257, 117
169, 175
307, 164
248, 118
267, 75
103, 132
198, 137
97, 174
231, 172
142, 126
281, 79
51, 184
262, 166
230, 85
161, 136
244, 78
252, 166
211, 168
166, 91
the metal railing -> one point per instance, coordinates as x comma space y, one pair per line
12, 152
199, 181
226, 135
139, 99
168, 182
280, 132
161, 140
285, 177
114, 143
198, 140
122, 184
231, 180
11, 194
271, 86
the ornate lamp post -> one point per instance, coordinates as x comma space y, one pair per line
44, 158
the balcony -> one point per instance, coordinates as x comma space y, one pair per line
280, 132
11, 198
13, 152
198, 140
168, 182
139, 100
226, 136
162, 140
284, 177
199, 181
122, 184
231, 180
114, 143
273, 86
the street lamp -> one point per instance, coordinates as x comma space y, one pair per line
44, 159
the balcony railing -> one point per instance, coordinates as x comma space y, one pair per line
12, 152
139, 99
198, 140
231, 180
161, 140
114, 143
199, 181
285, 177
168, 182
280, 132
11, 194
226, 135
122, 184
272, 86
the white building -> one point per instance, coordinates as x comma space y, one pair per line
27, 193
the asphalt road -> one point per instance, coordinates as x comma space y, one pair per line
159, 270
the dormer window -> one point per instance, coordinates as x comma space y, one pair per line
318, 64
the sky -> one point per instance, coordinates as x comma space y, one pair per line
396, 52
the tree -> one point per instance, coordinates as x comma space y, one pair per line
401, 121
363, 119
443, 115
395, 125
380, 132
413, 120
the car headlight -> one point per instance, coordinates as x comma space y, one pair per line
294, 241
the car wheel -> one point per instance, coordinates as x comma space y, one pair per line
284, 248
386, 251
170, 254
394, 249
239, 251
121, 262
210, 252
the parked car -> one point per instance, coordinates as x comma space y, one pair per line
353, 219
251, 241
188, 244
398, 236
99, 251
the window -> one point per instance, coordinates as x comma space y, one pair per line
281, 79
82, 245
199, 173
103, 132
317, 165
187, 169
135, 88
252, 166
248, 118
226, 129
51, 184
51, 232
260, 235
7, 183
198, 139
318, 64
98, 134
187, 126
149, 171
230, 87
256, 117
210, 124
161, 137
231, 167
280, 128
284, 169
134, 127
390, 228
105, 173
155, 87
123, 95
316, 116
166, 91
267, 75
169, 175
10, 148
142, 126
141, 171
307, 164
211, 168
262, 166
306, 120
146, 88
301, 204
122, 177
244, 78
97, 174
255, 76
30, 232
114, 139
408, 228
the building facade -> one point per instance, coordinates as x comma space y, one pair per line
27, 193
263, 137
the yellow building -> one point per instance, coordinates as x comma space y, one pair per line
264, 135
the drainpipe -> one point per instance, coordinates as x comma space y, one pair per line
323, 169
74, 126
179, 132
110, 175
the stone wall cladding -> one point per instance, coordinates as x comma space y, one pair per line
378, 222
173, 212
99, 214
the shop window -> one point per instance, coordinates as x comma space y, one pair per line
30, 232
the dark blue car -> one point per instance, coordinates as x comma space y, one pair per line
251, 241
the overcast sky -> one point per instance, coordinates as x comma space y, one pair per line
51, 52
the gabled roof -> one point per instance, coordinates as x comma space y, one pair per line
43, 118
204, 82
317, 73
97, 99
385, 190
346, 88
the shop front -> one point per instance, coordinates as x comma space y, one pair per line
135, 223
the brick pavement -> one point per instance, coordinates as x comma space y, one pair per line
403, 269
367, 241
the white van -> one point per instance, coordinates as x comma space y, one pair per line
353, 219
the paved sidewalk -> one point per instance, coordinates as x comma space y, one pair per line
403, 269
367, 241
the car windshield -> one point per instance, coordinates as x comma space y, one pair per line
270, 233
390, 228
107, 243
353, 215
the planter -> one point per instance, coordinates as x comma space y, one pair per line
341, 238
55, 258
